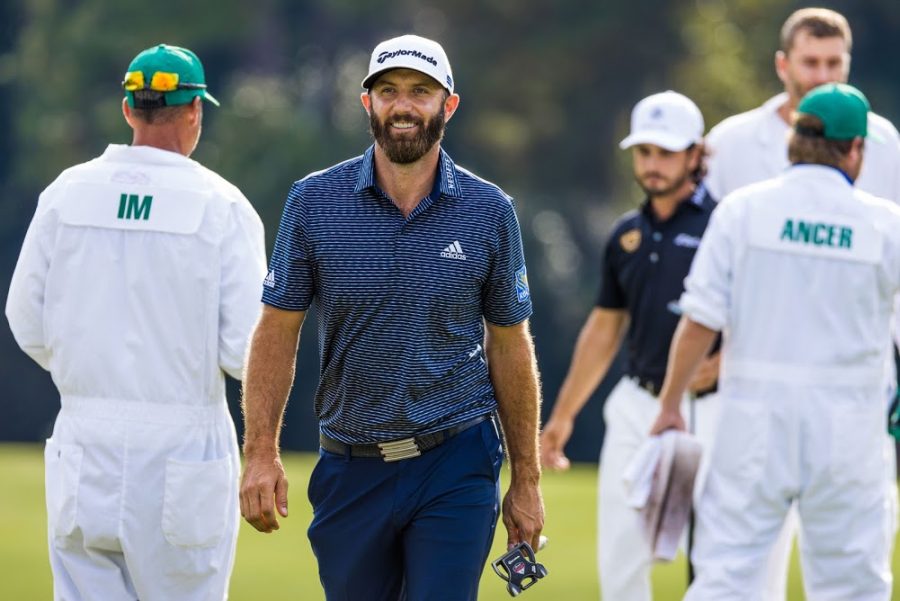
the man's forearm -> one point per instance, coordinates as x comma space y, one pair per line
514, 375
597, 345
268, 379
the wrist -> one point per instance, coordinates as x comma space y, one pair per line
260, 449
528, 474
562, 414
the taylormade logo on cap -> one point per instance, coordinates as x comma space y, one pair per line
386, 55
410, 52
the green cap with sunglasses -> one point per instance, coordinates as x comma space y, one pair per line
165, 76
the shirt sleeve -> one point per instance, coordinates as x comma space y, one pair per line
707, 288
506, 299
611, 295
894, 143
243, 267
25, 300
714, 180
289, 284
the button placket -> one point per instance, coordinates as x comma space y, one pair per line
657, 239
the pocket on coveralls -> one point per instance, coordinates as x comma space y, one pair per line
62, 473
198, 501
742, 440
857, 449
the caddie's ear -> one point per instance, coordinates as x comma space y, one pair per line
196, 111
126, 112
852, 162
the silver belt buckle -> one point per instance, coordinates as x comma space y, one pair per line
396, 450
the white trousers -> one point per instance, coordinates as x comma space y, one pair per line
778, 562
141, 501
822, 450
624, 556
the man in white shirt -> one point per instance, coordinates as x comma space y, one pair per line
752, 146
137, 287
802, 400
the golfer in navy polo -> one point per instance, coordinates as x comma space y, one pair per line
417, 271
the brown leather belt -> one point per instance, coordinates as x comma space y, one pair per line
403, 448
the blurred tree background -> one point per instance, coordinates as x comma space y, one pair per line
547, 87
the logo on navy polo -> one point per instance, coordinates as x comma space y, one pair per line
630, 241
686, 241
403, 52
269, 282
521, 278
454, 251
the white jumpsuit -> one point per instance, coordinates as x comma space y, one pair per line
137, 287
751, 147
799, 273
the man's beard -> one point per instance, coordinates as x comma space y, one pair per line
798, 90
405, 149
668, 189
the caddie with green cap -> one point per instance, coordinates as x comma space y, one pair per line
165, 76
842, 109
799, 272
829, 128
137, 288
164, 86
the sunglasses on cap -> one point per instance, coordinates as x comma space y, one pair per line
160, 82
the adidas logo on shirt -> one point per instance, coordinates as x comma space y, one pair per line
454, 251
269, 282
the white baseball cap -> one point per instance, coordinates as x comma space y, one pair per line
668, 119
410, 52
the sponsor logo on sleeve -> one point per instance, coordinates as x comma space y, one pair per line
522, 292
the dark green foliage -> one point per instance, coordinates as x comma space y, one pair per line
546, 86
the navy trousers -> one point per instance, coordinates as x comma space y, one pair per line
412, 530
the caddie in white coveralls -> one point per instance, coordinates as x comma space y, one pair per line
815, 46
137, 287
799, 272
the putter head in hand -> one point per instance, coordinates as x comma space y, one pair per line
518, 568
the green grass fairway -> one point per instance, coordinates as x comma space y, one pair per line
280, 566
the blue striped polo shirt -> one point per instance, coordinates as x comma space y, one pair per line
400, 301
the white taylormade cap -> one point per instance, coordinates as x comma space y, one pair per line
410, 52
668, 119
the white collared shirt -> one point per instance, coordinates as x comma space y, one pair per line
752, 147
